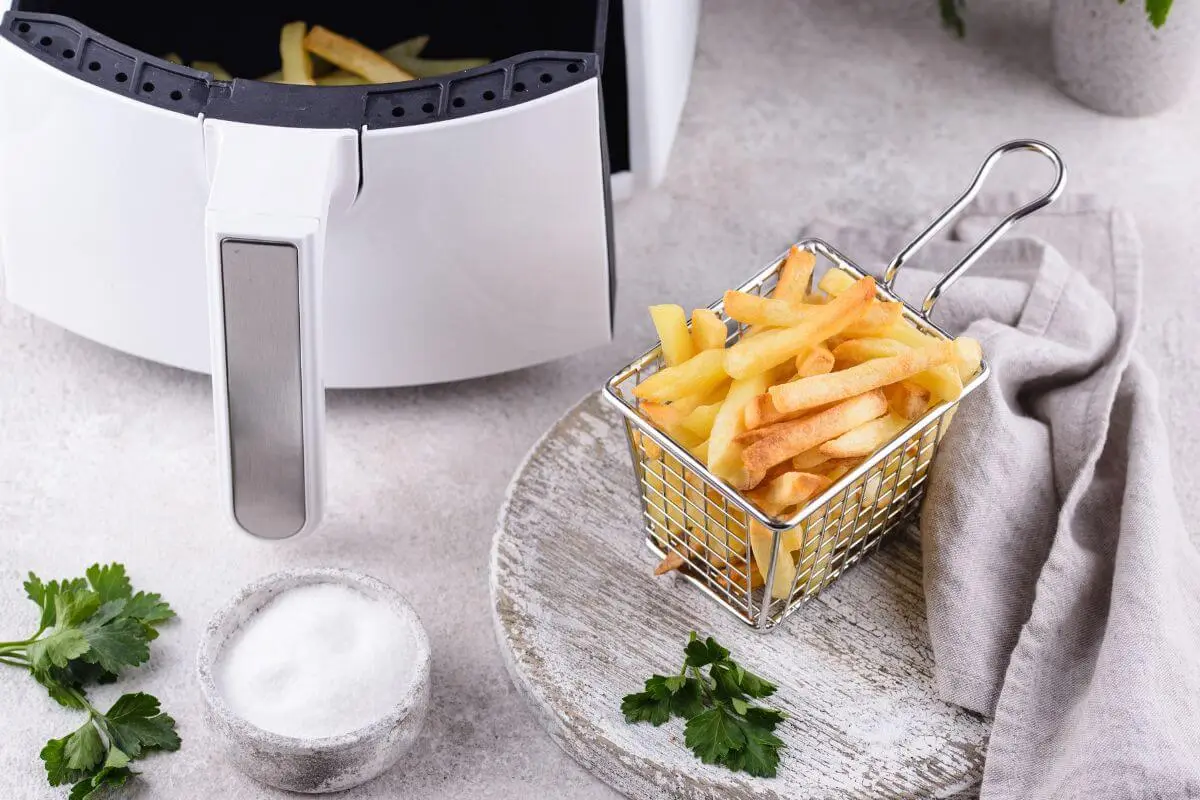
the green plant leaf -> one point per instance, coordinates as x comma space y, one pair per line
1157, 11
644, 707
115, 643
759, 751
712, 734
84, 749
148, 608
688, 701
701, 654
56, 649
110, 581
135, 724
96, 786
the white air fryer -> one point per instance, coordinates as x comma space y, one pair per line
290, 238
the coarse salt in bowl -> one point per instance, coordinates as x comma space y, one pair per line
315, 680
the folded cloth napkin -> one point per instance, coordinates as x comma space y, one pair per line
1062, 589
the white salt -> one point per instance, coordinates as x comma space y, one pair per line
318, 660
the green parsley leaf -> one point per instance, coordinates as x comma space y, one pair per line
72, 607
74, 756
89, 630
1157, 11
645, 707
115, 643
83, 749
724, 674
722, 726
688, 701
148, 608
760, 751
765, 718
109, 777
712, 734
754, 686
56, 649
701, 654
675, 682
110, 582
135, 723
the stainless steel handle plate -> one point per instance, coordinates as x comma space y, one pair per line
260, 287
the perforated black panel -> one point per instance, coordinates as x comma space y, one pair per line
76, 49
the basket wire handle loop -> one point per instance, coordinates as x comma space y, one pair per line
951, 213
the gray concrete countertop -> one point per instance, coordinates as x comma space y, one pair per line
853, 109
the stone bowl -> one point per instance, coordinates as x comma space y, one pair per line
327, 764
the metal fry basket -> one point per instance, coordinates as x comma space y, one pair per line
691, 512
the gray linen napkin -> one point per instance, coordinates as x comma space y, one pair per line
1062, 590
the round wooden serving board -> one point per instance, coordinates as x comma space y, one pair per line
582, 622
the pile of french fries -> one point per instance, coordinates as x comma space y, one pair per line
818, 381
319, 57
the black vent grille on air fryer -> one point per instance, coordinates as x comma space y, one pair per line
99, 60
72, 48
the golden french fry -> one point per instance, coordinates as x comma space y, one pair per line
670, 563
750, 309
700, 421
761, 412
907, 399
297, 66
663, 415
795, 275
762, 540
837, 469
821, 389
708, 331
816, 361
942, 381
173, 58
970, 356
724, 455
673, 332
856, 351
669, 420
789, 489
733, 578
835, 281
352, 56
866, 438
700, 452
769, 349
790, 439
809, 459
880, 317
700, 374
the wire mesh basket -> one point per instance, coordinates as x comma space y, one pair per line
714, 529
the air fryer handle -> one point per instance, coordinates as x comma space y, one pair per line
272, 191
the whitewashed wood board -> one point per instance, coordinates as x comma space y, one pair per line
582, 622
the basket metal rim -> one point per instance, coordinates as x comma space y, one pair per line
612, 395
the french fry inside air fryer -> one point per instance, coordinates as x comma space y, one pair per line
820, 379
317, 56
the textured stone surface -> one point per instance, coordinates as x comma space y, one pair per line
581, 624
858, 109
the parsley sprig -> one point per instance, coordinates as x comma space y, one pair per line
91, 629
722, 726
